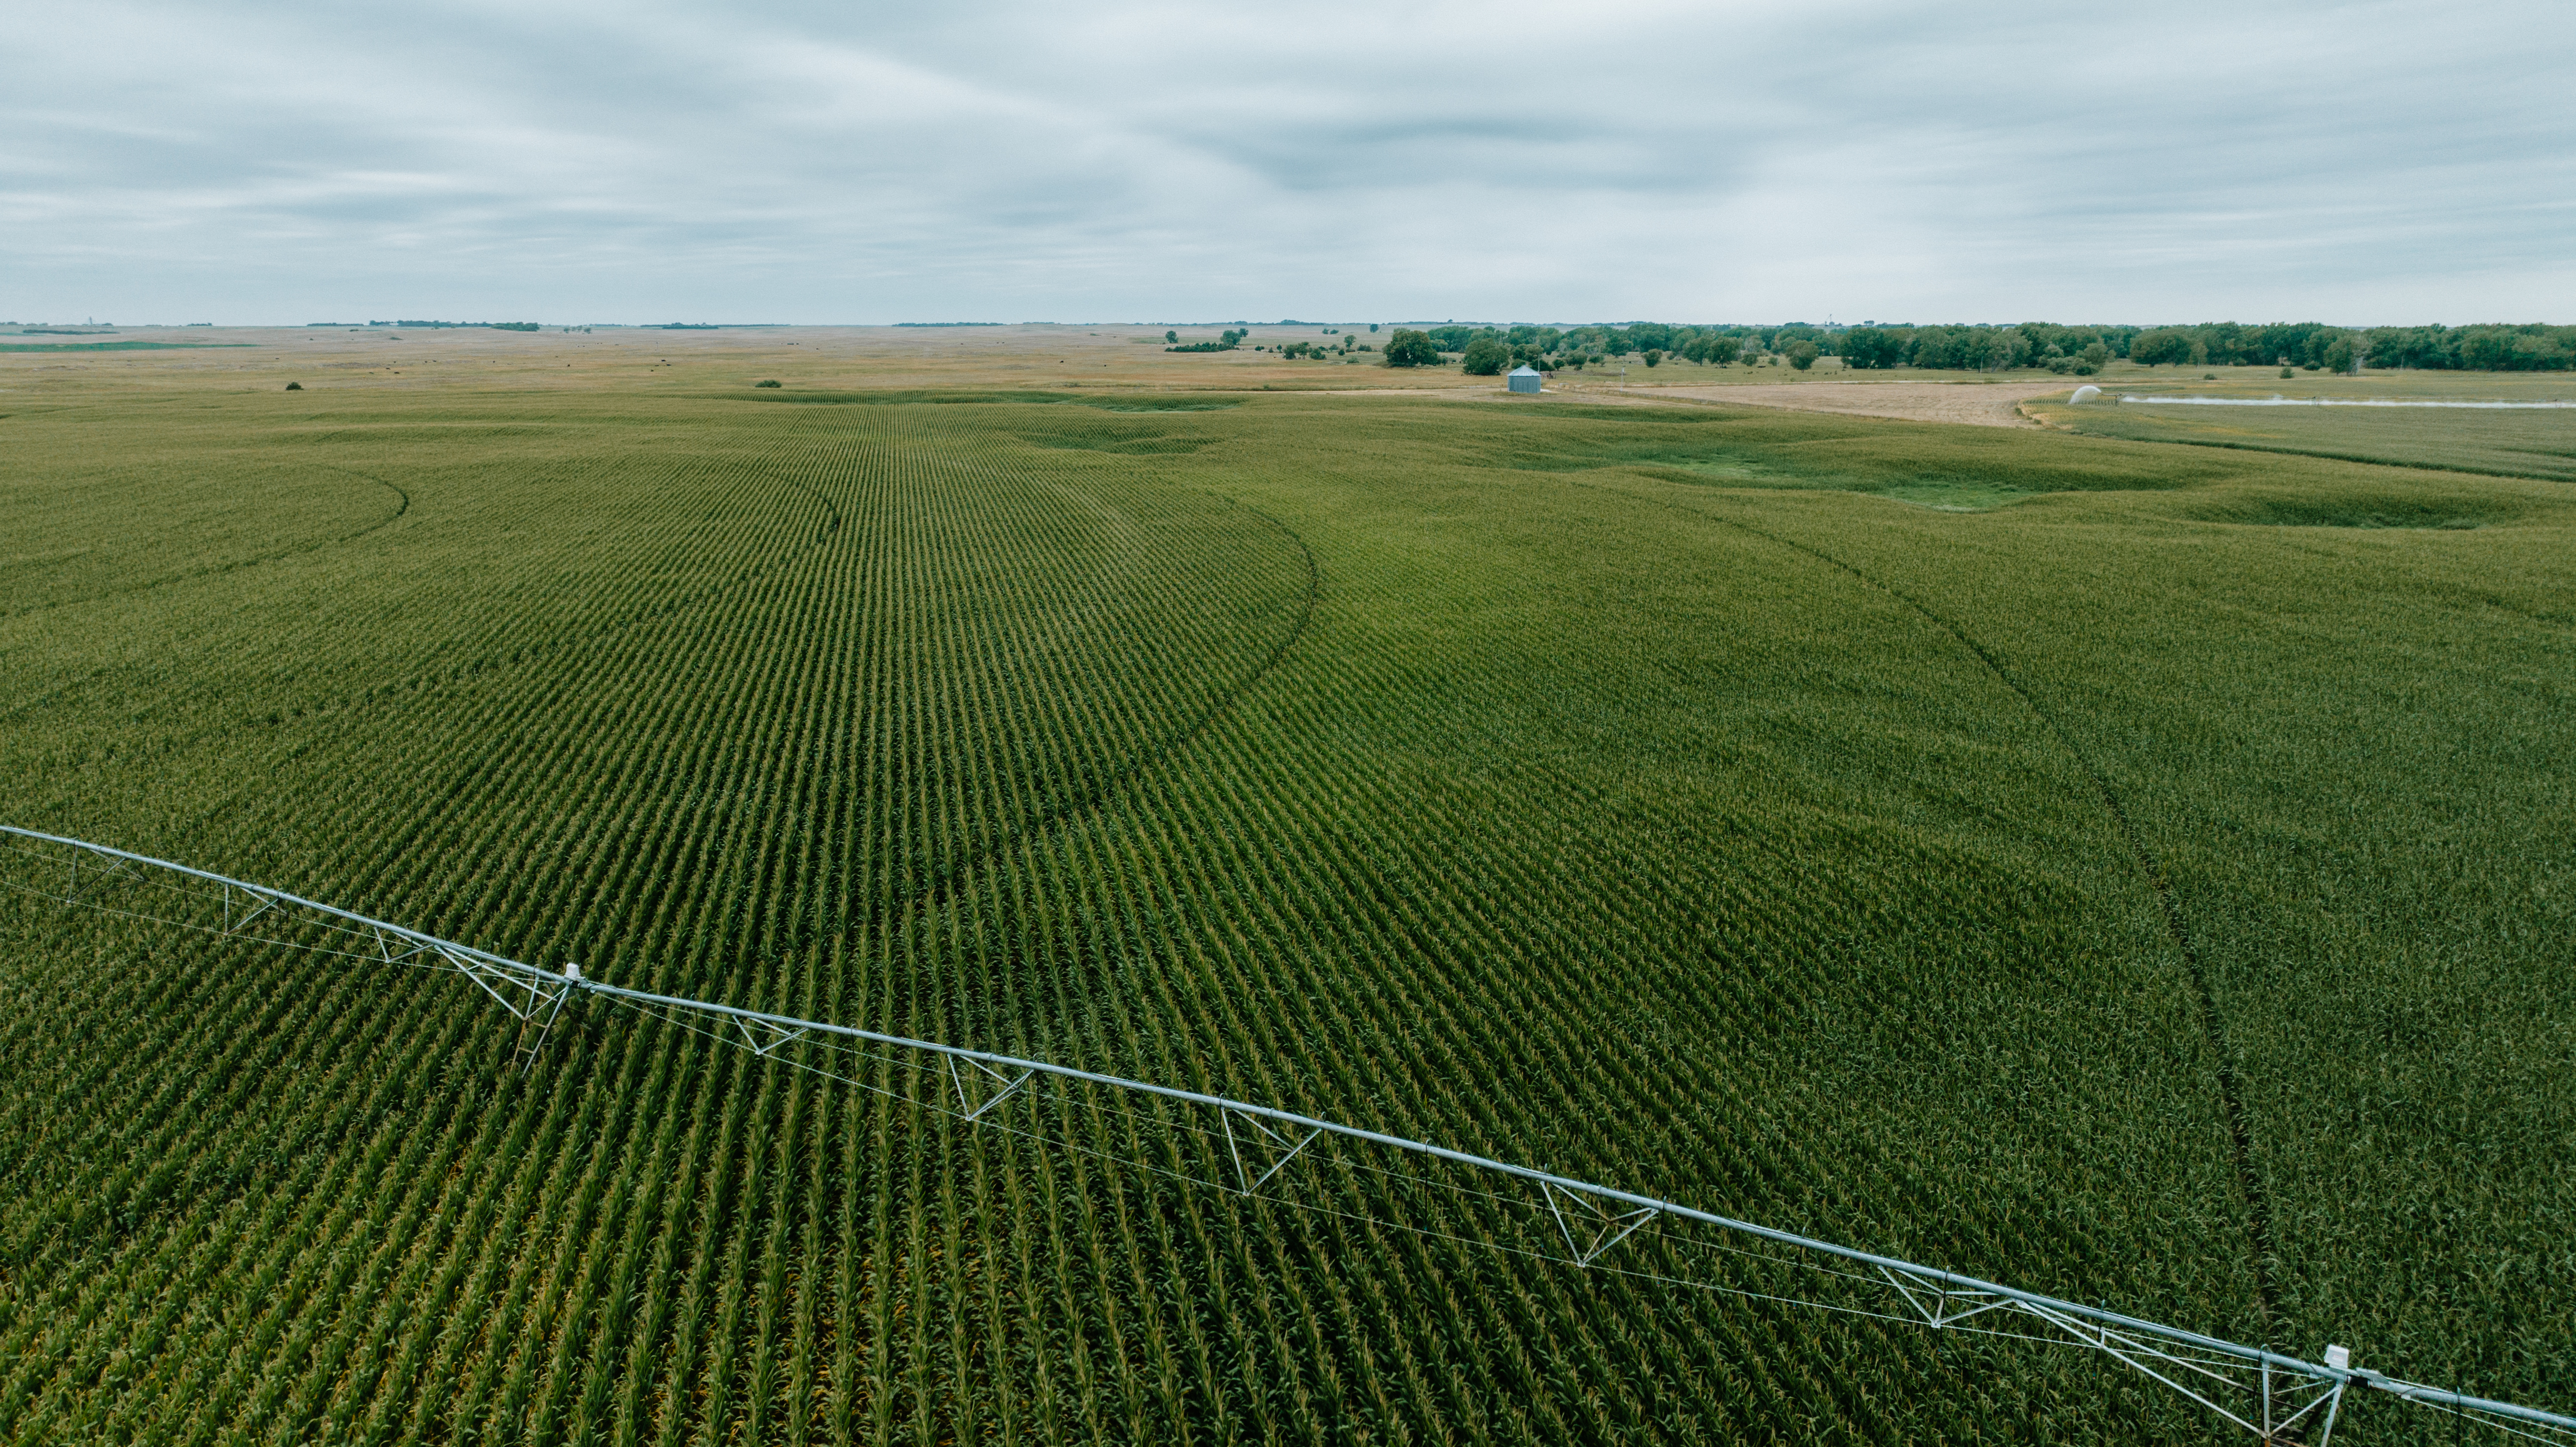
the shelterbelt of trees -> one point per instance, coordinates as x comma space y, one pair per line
2494, 347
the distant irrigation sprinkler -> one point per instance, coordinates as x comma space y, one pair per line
1293, 1160
2277, 400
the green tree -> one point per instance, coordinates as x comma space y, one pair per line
2000, 350
1872, 349
1654, 357
1802, 353
2161, 345
1485, 357
2095, 356
1171, 336
2340, 354
1408, 348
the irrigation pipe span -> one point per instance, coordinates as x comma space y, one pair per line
1248, 1149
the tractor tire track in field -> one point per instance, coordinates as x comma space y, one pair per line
892, 914
217, 570
957, 876
476, 667
38, 701
2231, 1094
457, 673
947, 885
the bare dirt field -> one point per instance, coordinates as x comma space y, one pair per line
1982, 404
1112, 357
1040, 357
689, 360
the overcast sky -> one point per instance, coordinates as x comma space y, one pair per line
1730, 160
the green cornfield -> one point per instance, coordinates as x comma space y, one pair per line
2094, 865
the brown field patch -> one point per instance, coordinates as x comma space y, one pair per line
1978, 404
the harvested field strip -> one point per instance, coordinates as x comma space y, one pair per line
2456, 438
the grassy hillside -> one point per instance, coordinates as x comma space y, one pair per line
2092, 865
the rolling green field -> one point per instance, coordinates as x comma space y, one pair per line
2134, 872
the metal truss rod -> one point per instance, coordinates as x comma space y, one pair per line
1592, 1219
275, 897
2142, 1344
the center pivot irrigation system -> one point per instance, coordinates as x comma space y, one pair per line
1291, 1160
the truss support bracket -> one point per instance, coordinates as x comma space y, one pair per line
1589, 1227
553, 1002
233, 921
778, 1035
963, 1073
1257, 1136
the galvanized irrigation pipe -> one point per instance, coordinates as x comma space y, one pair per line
2119, 1334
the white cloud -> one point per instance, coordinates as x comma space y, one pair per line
2360, 163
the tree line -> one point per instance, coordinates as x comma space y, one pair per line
2492, 347
484, 326
2486, 347
1487, 350
2080, 350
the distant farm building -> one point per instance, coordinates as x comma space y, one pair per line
1524, 379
